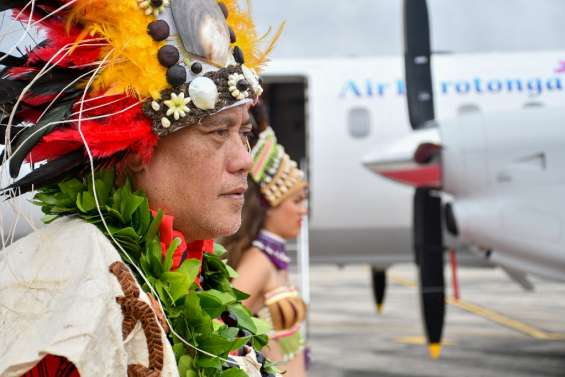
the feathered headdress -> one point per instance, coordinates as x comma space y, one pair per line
273, 170
112, 76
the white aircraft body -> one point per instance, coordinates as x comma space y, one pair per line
506, 174
351, 105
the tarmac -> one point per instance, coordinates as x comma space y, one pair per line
495, 329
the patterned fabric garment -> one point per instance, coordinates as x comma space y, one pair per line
57, 366
274, 248
73, 308
53, 366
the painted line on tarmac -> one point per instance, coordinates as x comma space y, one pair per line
419, 341
504, 320
491, 315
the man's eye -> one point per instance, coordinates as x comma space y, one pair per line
222, 132
248, 136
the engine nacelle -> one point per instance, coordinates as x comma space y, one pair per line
506, 172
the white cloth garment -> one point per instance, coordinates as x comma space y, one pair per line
57, 296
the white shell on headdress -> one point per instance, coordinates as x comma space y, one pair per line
165, 122
252, 79
203, 93
203, 29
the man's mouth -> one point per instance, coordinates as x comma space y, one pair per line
235, 193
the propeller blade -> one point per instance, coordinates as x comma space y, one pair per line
428, 233
378, 280
428, 247
419, 91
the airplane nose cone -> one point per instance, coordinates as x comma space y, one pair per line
412, 160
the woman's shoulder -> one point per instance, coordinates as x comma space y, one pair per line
254, 256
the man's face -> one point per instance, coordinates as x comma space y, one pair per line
199, 175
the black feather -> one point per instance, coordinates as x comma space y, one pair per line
10, 90
5, 117
32, 135
47, 174
59, 74
51, 90
14, 133
10, 4
11, 60
50, 84
41, 6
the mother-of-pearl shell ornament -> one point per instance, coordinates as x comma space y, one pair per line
203, 93
202, 28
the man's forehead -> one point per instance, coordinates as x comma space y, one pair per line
232, 117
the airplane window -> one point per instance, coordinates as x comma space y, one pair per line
359, 122
533, 104
468, 108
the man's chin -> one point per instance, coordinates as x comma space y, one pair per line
227, 228
221, 220
228, 222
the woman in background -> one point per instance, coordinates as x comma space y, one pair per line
273, 212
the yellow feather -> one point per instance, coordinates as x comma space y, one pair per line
133, 67
246, 34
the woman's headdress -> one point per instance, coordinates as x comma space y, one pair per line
273, 170
112, 76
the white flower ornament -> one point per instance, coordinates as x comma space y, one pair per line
154, 7
177, 105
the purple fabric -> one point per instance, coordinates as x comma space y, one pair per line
307, 357
274, 248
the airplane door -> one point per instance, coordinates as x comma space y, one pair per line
286, 102
285, 98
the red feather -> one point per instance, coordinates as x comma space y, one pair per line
29, 114
21, 73
57, 38
52, 151
37, 100
127, 131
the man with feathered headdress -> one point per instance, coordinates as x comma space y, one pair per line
135, 114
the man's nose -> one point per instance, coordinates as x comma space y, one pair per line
239, 158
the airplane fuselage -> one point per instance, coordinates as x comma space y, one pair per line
354, 104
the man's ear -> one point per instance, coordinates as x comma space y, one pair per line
134, 163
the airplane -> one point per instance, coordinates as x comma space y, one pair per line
330, 113
491, 178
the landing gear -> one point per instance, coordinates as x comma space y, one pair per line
378, 280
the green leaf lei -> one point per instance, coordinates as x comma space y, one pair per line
191, 310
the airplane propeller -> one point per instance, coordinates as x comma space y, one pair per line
427, 221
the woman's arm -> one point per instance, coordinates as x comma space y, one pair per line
254, 273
